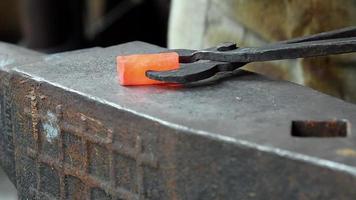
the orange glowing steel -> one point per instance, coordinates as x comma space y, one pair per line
131, 69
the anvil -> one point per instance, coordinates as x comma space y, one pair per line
69, 130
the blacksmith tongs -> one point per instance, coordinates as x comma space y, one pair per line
198, 65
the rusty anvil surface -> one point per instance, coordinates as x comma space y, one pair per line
74, 132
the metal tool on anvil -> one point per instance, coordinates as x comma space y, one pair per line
198, 65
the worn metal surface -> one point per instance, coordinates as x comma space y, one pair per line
78, 134
10, 56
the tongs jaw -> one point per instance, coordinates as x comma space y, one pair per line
192, 70
198, 65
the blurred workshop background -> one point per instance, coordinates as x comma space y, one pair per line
62, 25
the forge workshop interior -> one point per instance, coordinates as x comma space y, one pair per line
177, 99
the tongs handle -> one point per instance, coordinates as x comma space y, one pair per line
322, 44
282, 51
334, 34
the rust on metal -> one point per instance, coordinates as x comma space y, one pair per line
331, 128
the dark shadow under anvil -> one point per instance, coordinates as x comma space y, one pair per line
75, 132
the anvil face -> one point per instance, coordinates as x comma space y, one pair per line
77, 132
